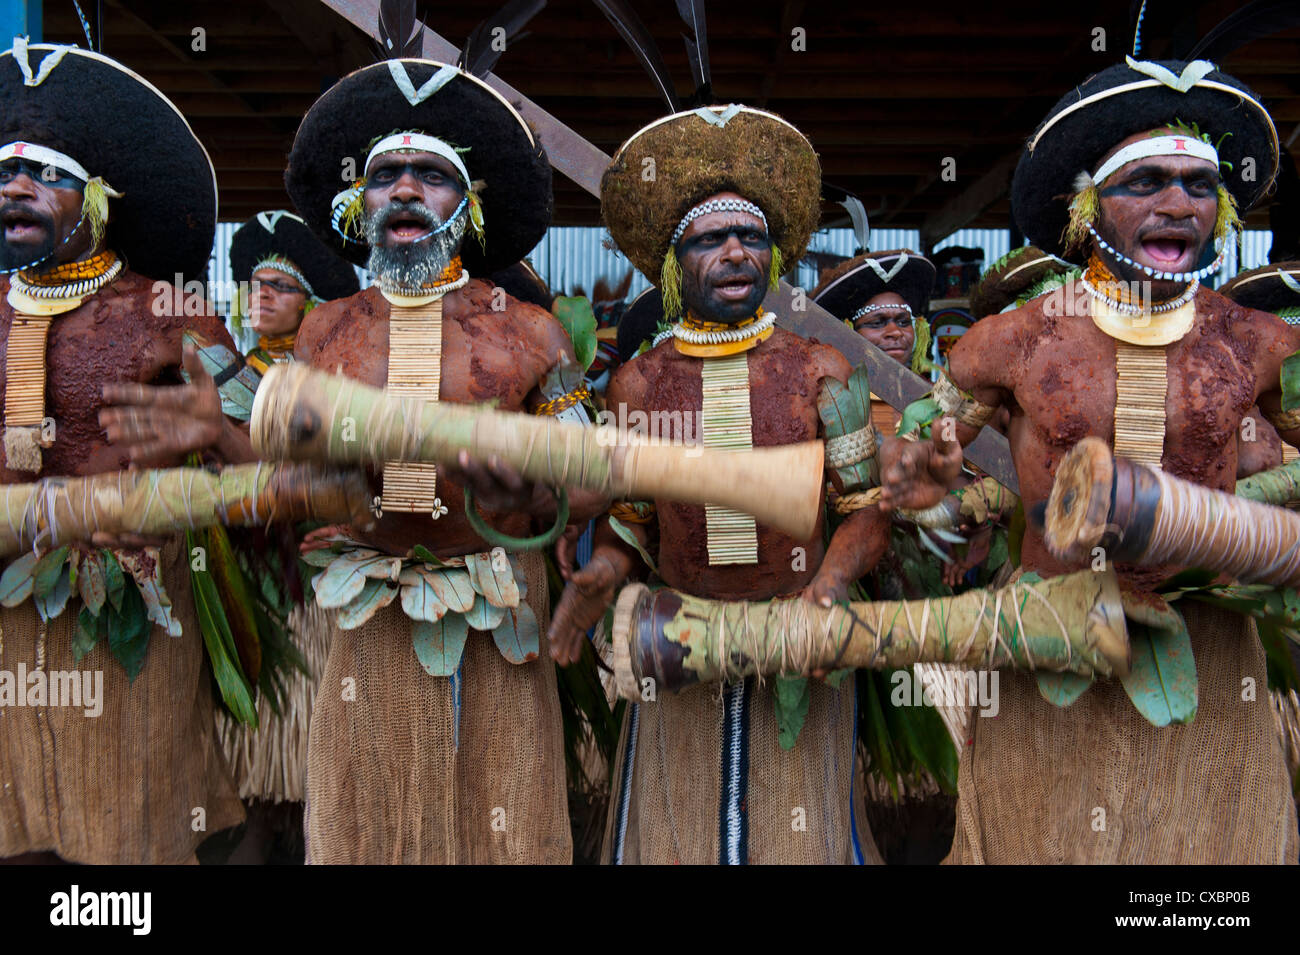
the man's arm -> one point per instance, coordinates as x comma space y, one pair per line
500, 488
590, 590
1277, 341
916, 475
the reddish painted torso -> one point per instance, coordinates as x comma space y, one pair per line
487, 356
785, 375
128, 333
1057, 376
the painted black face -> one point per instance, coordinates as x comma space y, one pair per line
40, 206
725, 258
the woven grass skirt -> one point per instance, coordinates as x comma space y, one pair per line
1096, 783
394, 776
143, 782
701, 779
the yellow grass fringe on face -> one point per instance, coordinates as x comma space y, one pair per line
1083, 213
670, 284
94, 206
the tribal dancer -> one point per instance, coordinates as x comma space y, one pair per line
291, 272
1142, 169
89, 225
282, 271
706, 776
437, 734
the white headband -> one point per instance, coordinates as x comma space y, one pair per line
45, 156
717, 205
282, 265
418, 142
1157, 146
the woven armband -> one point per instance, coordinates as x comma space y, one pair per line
963, 407
845, 412
565, 391
852, 448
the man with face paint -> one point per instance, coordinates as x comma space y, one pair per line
449, 746
883, 296
288, 272
93, 232
704, 777
1140, 170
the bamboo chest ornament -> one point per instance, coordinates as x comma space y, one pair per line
36, 303
1141, 385
302, 413
1073, 623
726, 425
415, 371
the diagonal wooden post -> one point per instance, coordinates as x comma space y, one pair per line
582, 162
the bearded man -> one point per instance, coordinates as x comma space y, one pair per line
436, 737
141, 781
1125, 170
704, 777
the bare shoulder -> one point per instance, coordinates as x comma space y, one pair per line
480, 302
318, 321
986, 355
172, 310
630, 382
829, 362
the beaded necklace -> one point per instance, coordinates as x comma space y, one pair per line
453, 277
71, 279
702, 339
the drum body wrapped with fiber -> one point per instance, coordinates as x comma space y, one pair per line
1073, 623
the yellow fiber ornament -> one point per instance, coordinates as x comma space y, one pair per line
350, 220
670, 284
1227, 217
94, 207
476, 217
1083, 213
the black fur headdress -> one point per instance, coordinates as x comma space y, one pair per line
119, 127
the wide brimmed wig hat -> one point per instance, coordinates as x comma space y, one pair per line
1131, 98
402, 95
123, 130
280, 234
851, 284
670, 166
1274, 288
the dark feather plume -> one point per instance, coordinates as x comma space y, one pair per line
399, 30
635, 34
1258, 19
480, 54
697, 49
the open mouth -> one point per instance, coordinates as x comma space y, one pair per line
405, 227
735, 289
19, 227
1170, 253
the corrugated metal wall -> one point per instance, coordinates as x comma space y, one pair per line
570, 257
